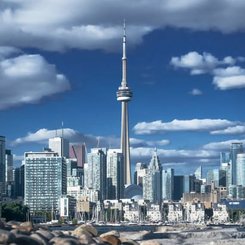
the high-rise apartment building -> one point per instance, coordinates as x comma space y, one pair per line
115, 174
45, 180
168, 184
59, 145
95, 171
2, 165
236, 148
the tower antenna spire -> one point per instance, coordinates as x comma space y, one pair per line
124, 58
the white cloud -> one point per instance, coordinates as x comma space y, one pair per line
175, 156
91, 24
238, 129
28, 79
182, 125
230, 77
197, 63
222, 145
144, 143
195, 92
41, 136
224, 83
200, 63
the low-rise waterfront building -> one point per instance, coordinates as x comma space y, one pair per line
175, 212
195, 213
154, 213
220, 214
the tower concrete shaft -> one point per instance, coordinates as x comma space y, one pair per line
124, 94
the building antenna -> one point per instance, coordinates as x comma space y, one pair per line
98, 141
62, 129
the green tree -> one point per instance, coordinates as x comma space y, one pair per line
14, 211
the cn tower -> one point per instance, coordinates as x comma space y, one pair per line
124, 95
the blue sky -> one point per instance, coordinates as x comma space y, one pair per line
186, 67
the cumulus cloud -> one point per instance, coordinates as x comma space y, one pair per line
200, 63
41, 136
182, 125
229, 78
196, 92
224, 78
197, 63
27, 79
91, 24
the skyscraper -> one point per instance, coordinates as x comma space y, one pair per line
152, 190
2, 164
96, 171
241, 169
167, 184
9, 166
115, 176
236, 148
19, 179
79, 152
124, 94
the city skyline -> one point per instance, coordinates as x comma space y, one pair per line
187, 74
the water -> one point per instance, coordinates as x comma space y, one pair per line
105, 228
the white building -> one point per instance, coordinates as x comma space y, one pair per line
90, 195
67, 205
195, 212
220, 214
59, 145
131, 213
154, 213
175, 212
140, 172
74, 191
